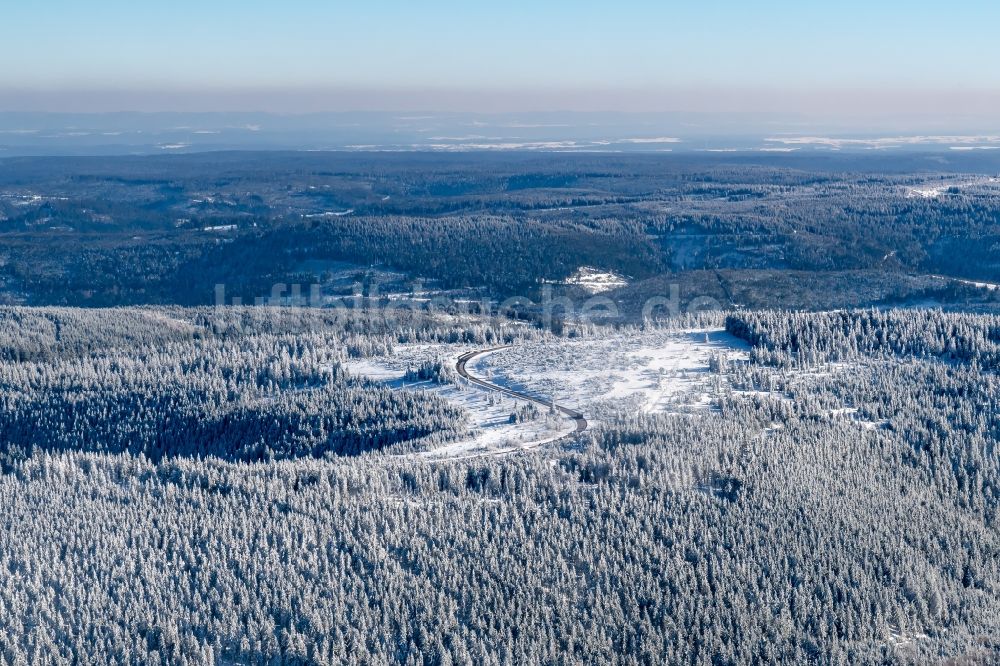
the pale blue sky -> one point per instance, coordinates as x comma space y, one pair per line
536, 48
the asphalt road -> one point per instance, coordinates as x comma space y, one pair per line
581, 422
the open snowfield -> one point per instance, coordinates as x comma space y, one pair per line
989, 286
928, 193
605, 376
653, 371
982, 185
596, 281
491, 432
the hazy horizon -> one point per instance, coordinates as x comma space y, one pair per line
32, 133
846, 103
635, 56
114, 77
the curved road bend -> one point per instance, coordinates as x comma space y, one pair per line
581, 422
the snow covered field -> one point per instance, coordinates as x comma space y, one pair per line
596, 281
983, 185
653, 371
928, 193
491, 431
603, 376
989, 286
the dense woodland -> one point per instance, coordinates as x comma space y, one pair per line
211, 485
166, 230
237, 384
787, 338
837, 505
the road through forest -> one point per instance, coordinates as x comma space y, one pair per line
581, 422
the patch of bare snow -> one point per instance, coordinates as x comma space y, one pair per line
596, 281
927, 193
653, 371
989, 286
329, 213
491, 432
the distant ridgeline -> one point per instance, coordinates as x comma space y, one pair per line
167, 230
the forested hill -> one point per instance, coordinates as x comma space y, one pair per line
239, 384
836, 502
167, 229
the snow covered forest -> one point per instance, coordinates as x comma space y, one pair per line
499, 333
283, 408
796, 230
184, 486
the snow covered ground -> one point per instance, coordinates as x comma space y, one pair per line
983, 185
596, 281
928, 193
989, 286
329, 213
653, 371
491, 432
603, 376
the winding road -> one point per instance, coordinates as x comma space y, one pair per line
581, 422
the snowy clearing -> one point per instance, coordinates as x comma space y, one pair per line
329, 213
596, 281
989, 286
653, 372
491, 432
603, 377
